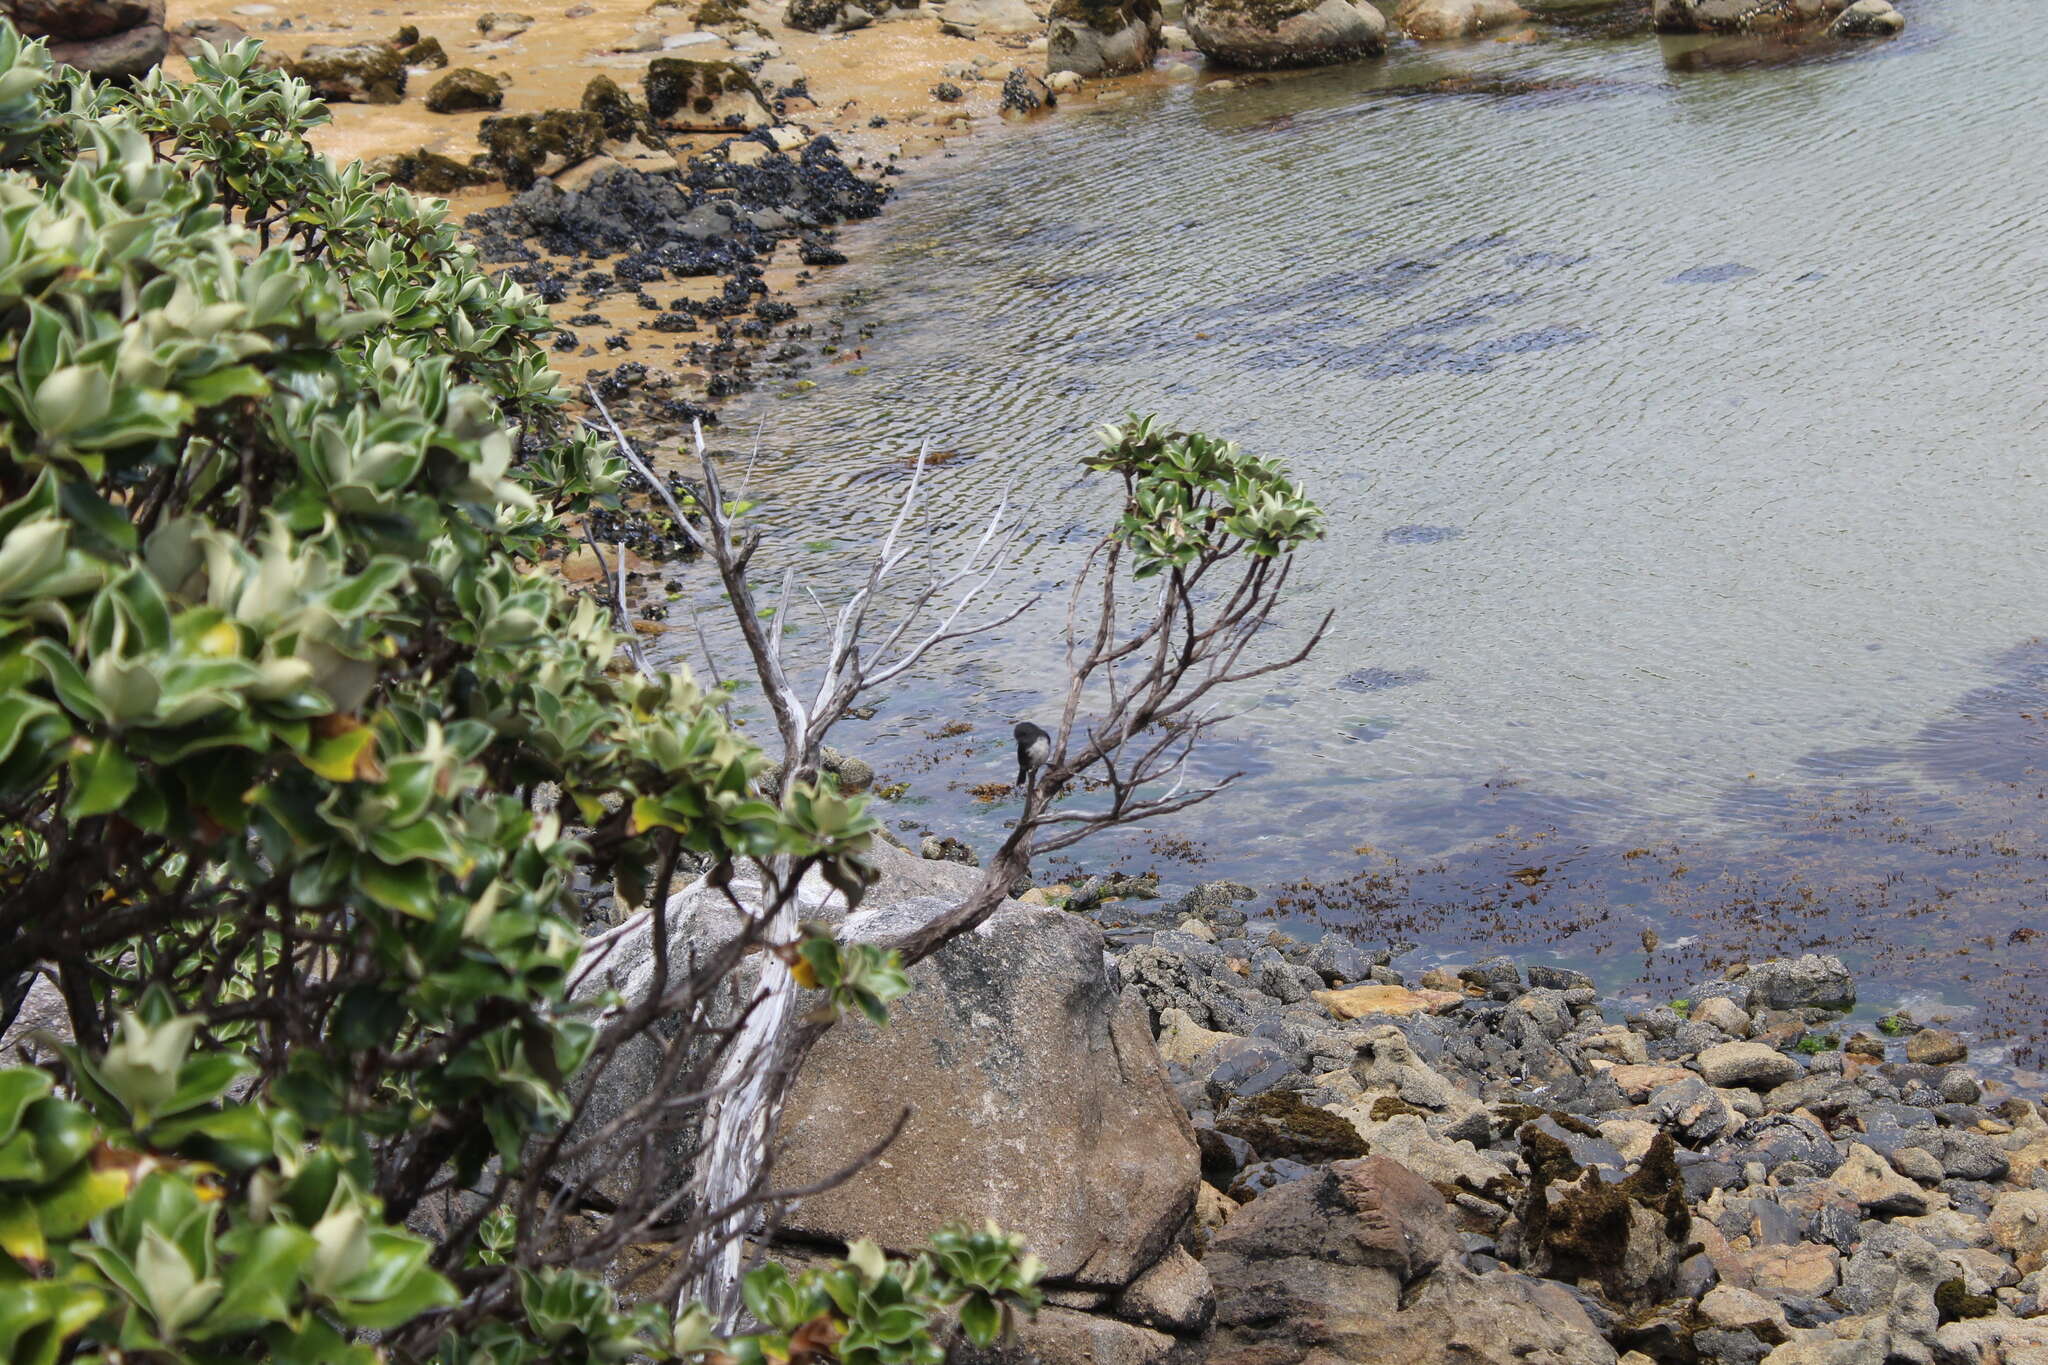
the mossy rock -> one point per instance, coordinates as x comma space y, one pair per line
1628, 1237
1953, 1301
1387, 1106
432, 173
624, 117
826, 16
703, 96
1280, 1123
521, 146
464, 89
352, 73
426, 52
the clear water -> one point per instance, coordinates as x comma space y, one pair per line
1680, 435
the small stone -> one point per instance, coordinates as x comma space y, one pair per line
1194, 928
945, 92
1173, 1295
1876, 1186
1935, 1047
1738, 1310
500, 24
1868, 19
1746, 1064
1639, 1082
1917, 1163
1724, 1014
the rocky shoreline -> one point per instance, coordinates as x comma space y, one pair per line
1476, 1164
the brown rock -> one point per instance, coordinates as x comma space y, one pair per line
1359, 1263
1368, 1213
219, 32
1809, 1268
1435, 20
1058, 1122
77, 20
1062, 1336
1738, 1310
122, 56
2019, 1225
1637, 1082
1935, 1047
1174, 1295
1746, 1064
1876, 1186
1356, 1002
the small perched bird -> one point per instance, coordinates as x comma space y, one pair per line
1034, 746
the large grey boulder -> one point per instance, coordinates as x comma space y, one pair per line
700, 921
1263, 35
1037, 1099
1102, 37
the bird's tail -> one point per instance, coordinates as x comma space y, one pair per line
1023, 773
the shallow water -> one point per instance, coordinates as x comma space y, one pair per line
1679, 431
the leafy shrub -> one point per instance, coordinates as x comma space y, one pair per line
281, 698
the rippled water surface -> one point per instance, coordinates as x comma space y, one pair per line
1680, 435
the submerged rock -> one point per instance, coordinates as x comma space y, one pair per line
1269, 34
1102, 37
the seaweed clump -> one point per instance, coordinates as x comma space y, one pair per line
1280, 1123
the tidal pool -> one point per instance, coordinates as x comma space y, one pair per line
1679, 430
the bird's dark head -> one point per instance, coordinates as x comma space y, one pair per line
1026, 730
